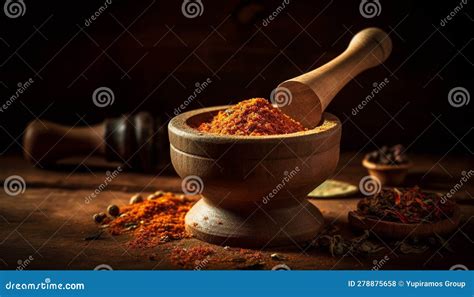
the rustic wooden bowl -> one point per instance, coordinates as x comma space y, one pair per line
254, 187
386, 229
388, 175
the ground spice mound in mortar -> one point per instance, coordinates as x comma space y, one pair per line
253, 117
154, 221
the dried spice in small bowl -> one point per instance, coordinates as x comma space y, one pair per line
252, 117
408, 206
388, 155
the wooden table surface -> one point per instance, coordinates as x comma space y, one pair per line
45, 227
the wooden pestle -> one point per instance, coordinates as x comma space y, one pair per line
139, 141
305, 97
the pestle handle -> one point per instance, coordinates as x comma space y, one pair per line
46, 142
308, 95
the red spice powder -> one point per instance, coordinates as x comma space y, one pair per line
253, 117
152, 222
197, 256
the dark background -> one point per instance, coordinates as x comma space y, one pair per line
151, 56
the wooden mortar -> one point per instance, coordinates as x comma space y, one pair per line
254, 187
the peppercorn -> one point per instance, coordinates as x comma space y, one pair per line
99, 217
155, 195
113, 210
137, 198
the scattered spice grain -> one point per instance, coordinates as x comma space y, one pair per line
252, 117
152, 222
188, 257
113, 210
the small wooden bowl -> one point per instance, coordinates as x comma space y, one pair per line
388, 175
394, 230
254, 187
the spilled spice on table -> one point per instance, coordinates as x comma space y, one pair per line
197, 257
252, 117
152, 221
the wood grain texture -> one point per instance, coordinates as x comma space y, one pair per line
50, 220
254, 187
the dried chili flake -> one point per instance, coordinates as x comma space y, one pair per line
409, 206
